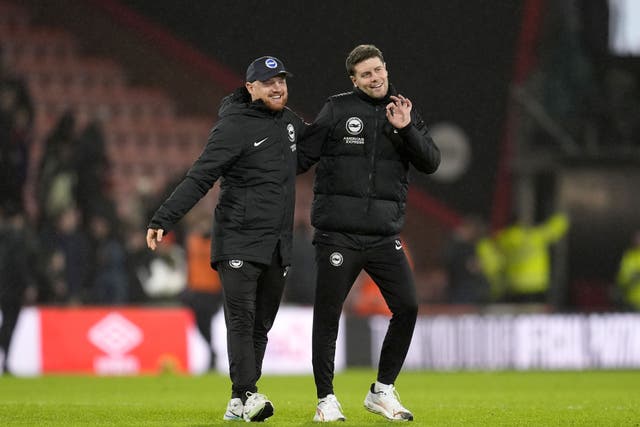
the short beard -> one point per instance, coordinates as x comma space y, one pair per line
276, 107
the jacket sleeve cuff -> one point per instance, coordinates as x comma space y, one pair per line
409, 132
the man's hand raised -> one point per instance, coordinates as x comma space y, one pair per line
399, 111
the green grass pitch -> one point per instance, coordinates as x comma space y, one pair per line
594, 398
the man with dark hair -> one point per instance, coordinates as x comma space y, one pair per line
252, 149
364, 142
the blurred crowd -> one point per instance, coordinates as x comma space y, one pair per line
72, 243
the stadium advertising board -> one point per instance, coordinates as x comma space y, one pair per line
129, 341
106, 341
522, 342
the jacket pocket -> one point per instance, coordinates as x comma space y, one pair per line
230, 210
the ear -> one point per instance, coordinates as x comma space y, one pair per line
251, 89
353, 80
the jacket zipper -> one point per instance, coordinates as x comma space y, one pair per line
370, 192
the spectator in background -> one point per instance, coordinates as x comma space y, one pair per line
166, 276
138, 261
16, 274
368, 300
204, 292
467, 283
627, 292
364, 142
57, 177
70, 241
16, 116
91, 166
527, 259
109, 278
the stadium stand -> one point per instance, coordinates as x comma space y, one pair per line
145, 137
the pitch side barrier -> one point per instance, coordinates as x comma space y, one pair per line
137, 340
520, 342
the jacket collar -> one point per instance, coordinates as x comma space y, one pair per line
239, 102
375, 101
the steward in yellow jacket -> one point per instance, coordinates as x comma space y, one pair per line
527, 265
629, 276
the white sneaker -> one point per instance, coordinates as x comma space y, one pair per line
328, 409
257, 407
386, 402
234, 410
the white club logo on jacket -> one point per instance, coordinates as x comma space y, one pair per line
291, 132
354, 125
235, 263
336, 259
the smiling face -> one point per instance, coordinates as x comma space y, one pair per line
272, 92
370, 76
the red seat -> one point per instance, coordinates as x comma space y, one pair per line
40, 45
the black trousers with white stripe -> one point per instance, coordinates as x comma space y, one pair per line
338, 268
252, 294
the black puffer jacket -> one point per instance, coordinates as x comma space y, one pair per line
361, 179
253, 150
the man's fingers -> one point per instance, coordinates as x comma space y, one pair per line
151, 239
154, 236
400, 101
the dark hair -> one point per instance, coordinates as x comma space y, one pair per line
361, 53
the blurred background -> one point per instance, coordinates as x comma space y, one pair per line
534, 104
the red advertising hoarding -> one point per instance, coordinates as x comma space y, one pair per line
108, 341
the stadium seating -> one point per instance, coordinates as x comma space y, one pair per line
145, 138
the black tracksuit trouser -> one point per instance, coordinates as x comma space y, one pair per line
252, 294
338, 268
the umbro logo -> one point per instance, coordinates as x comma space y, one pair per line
257, 143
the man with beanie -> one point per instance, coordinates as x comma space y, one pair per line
252, 150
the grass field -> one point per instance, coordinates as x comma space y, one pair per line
436, 399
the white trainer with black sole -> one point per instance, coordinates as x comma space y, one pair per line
328, 410
257, 407
384, 400
234, 410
